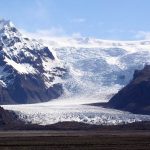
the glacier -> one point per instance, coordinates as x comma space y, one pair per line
58, 111
97, 69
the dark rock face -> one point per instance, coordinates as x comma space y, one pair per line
29, 72
28, 89
135, 97
8, 119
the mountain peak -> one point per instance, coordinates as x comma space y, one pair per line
26, 66
8, 30
6, 23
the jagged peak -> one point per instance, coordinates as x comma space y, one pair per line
8, 29
6, 23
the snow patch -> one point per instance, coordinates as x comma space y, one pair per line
23, 68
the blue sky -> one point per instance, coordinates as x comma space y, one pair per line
105, 19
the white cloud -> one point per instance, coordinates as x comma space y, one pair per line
52, 32
56, 37
142, 35
78, 20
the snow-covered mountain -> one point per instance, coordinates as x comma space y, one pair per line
95, 70
98, 68
29, 71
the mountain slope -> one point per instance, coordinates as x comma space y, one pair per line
134, 97
29, 72
8, 119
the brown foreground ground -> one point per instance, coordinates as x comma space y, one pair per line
75, 140
77, 136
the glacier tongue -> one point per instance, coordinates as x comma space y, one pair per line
50, 113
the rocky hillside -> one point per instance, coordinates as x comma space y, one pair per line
29, 72
135, 97
8, 119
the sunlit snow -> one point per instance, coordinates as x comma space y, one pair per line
97, 69
65, 110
